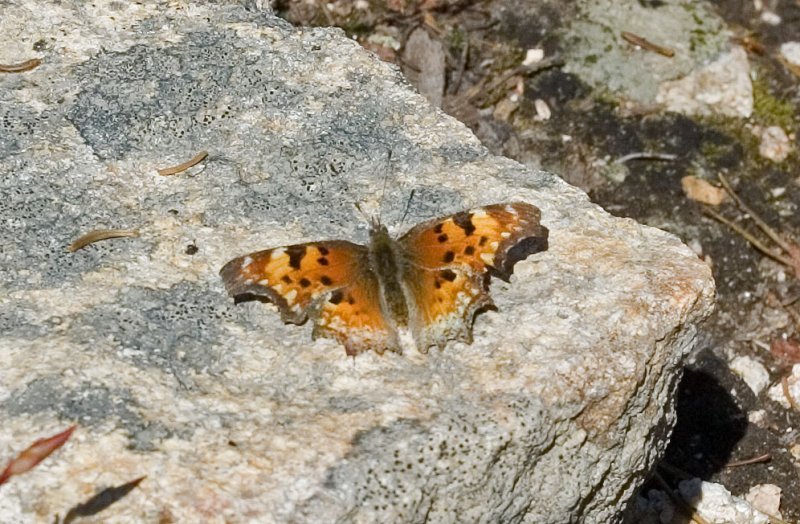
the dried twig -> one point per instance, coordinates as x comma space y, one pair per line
791, 249
100, 234
750, 43
763, 226
766, 457
486, 93
21, 67
199, 157
750, 238
647, 44
645, 155
788, 394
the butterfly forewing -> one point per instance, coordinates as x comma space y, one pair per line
330, 282
480, 238
294, 276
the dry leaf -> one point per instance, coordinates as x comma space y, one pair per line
35, 453
701, 191
786, 350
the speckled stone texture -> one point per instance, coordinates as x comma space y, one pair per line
553, 414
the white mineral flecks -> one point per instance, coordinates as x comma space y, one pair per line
775, 144
716, 504
722, 87
752, 372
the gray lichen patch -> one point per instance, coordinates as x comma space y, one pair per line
404, 480
19, 126
125, 103
176, 330
45, 204
89, 405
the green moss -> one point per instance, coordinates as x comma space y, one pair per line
769, 110
591, 59
456, 39
698, 39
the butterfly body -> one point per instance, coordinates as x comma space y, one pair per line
387, 261
427, 284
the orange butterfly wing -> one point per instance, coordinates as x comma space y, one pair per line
448, 259
482, 238
445, 301
329, 282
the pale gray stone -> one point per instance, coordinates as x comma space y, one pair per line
555, 413
722, 87
596, 52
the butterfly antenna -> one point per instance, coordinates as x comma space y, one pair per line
363, 214
408, 206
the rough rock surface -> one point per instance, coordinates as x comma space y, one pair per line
553, 414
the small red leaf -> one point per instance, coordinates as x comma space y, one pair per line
786, 350
35, 453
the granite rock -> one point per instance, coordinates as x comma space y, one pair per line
554, 414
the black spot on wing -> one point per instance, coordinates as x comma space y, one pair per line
449, 257
287, 279
326, 280
464, 221
322, 261
323, 250
296, 255
442, 238
448, 275
438, 228
469, 250
304, 282
336, 297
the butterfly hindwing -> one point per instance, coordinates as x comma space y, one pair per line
445, 301
352, 315
329, 282
480, 238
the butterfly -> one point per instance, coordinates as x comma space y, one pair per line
428, 284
